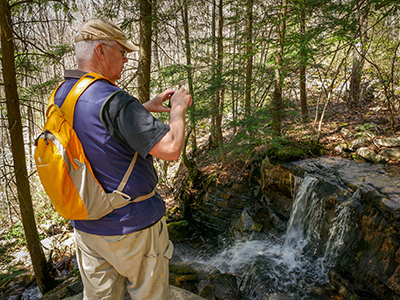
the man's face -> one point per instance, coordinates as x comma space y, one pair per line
116, 58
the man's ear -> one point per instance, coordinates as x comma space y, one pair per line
99, 52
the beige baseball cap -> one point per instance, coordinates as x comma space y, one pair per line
98, 29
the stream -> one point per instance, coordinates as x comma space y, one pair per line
294, 264
283, 264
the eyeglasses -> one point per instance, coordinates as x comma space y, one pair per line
123, 51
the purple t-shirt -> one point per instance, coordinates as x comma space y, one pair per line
111, 130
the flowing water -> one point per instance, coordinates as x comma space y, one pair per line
293, 265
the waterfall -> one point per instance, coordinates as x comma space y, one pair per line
340, 226
306, 216
289, 263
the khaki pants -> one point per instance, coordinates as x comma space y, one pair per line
136, 262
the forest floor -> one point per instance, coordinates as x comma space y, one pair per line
340, 126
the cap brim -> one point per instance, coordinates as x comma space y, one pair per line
128, 45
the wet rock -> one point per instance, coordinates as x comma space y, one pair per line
206, 280
278, 183
255, 218
219, 286
368, 263
371, 155
219, 206
208, 292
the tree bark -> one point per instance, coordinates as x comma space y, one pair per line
145, 50
190, 163
220, 89
249, 67
277, 99
213, 74
40, 265
189, 69
303, 64
217, 59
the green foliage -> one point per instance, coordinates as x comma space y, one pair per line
16, 232
252, 131
174, 75
365, 129
8, 271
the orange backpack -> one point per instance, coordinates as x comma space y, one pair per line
63, 168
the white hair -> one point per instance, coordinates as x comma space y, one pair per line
84, 49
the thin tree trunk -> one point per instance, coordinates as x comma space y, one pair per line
249, 67
277, 99
220, 89
40, 265
214, 106
303, 65
359, 52
190, 163
189, 68
234, 81
145, 50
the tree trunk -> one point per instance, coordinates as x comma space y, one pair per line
249, 67
213, 75
40, 265
358, 59
189, 68
220, 89
190, 163
277, 99
303, 65
145, 50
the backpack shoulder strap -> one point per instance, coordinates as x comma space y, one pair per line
68, 107
51, 103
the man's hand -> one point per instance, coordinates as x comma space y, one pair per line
170, 146
181, 98
156, 104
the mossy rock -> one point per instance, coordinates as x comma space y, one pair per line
287, 150
178, 230
183, 276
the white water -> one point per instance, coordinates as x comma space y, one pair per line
340, 226
288, 263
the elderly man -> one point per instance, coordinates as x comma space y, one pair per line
128, 249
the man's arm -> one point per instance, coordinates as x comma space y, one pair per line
170, 146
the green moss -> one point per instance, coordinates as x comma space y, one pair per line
178, 230
287, 150
256, 227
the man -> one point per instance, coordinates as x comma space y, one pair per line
128, 249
